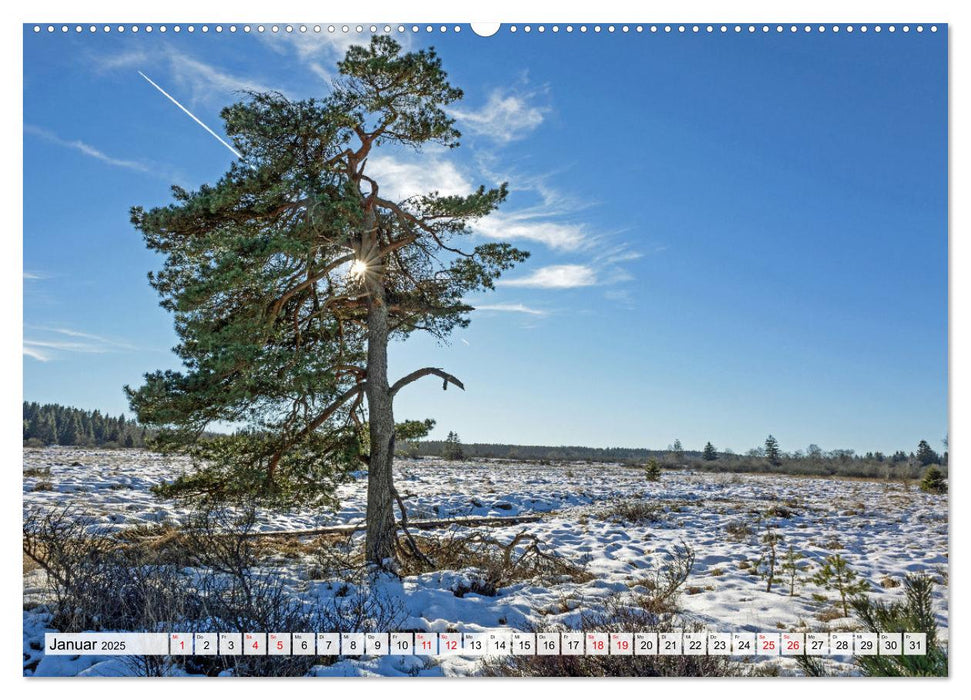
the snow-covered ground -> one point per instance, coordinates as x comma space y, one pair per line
883, 529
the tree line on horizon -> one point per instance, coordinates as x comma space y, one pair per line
54, 424
768, 457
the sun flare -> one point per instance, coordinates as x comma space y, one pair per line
358, 268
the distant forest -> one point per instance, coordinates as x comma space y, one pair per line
433, 448
765, 459
53, 424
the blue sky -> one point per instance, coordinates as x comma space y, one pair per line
732, 235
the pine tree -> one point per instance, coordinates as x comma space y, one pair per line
677, 451
653, 470
452, 448
70, 429
290, 275
792, 567
766, 567
772, 451
710, 454
835, 574
926, 455
47, 428
933, 481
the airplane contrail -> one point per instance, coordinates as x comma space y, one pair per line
194, 117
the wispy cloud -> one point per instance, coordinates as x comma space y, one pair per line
555, 277
48, 342
28, 275
35, 353
320, 51
512, 308
203, 79
86, 149
528, 225
400, 178
551, 217
198, 82
506, 116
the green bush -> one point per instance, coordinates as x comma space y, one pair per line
933, 481
653, 470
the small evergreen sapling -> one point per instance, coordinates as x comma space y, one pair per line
792, 567
933, 481
765, 567
835, 574
653, 470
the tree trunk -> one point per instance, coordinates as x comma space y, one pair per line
380, 539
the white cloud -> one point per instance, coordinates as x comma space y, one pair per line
555, 277
400, 179
36, 354
513, 308
34, 275
203, 80
45, 349
197, 82
86, 149
524, 226
71, 346
619, 255
504, 117
320, 51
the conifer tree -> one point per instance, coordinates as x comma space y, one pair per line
677, 451
836, 574
926, 455
452, 448
291, 274
792, 567
653, 470
710, 454
772, 451
933, 480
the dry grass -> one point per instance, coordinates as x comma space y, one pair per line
636, 512
498, 563
831, 613
738, 530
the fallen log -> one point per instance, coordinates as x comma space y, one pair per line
484, 521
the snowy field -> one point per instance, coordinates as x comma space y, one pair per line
884, 530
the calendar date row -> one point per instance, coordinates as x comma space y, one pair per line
487, 643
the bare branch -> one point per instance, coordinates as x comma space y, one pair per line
424, 372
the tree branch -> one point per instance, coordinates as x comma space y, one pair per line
423, 225
424, 372
355, 390
311, 279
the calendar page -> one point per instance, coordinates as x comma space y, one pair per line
435, 349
